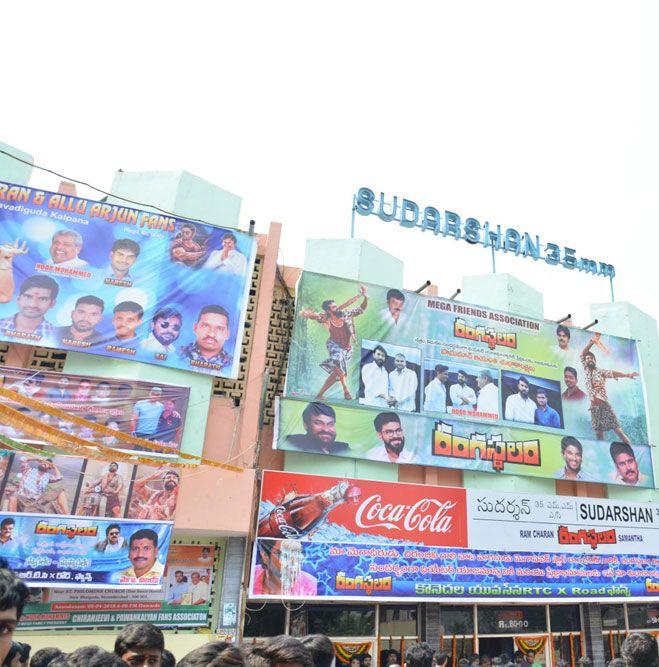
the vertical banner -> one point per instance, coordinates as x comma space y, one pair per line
94, 277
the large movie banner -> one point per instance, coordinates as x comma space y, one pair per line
334, 538
184, 600
95, 277
398, 437
143, 409
71, 521
366, 345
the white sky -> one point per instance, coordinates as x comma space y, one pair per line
538, 115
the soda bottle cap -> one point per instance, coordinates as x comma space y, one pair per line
353, 494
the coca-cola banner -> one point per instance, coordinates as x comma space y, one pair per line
372, 434
371, 346
329, 538
149, 410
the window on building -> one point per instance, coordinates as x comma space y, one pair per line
398, 621
456, 620
565, 618
613, 616
265, 620
643, 615
334, 620
511, 620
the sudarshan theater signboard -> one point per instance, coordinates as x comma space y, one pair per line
334, 538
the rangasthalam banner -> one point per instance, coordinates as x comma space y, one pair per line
148, 410
184, 600
406, 438
334, 538
94, 277
357, 344
73, 521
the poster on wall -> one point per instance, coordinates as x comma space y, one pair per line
143, 409
324, 537
396, 437
184, 600
94, 277
68, 521
400, 352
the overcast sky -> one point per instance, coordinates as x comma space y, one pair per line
537, 115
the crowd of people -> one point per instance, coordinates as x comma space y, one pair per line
143, 645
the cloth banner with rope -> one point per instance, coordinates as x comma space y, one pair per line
345, 651
535, 644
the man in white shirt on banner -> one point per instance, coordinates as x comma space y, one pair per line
199, 589
488, 394
390, 431
393, 315
376, 380
64, 249
435, 391
520, 407
403, 384
462, 395
227, 259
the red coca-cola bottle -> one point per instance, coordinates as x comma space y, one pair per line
298, 516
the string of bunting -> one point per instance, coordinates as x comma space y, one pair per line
70, 442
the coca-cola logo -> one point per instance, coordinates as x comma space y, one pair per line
427, 514
279, 514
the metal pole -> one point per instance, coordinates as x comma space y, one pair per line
352, 222
494, 264
613, 298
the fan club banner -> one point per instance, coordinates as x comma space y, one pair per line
152, 411
370, 434
335, 538
95, 277
69, 521
184, 600
402, 352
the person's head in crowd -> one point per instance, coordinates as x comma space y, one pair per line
278, 651
530, 657
320, 422
166, 325
127, 317
519, 657
496, 660
45, 656
355, 661
640, 650
585, 661
395, 302
463, 662
13, 596
322, 650
441, 659
367, 660
168, 659
505, 657
418, 655
123, 255
486, 661
214, 654
393, 657
18, 656
88, 656
140, 645
562, 336
625, 462
616, 662
474, 660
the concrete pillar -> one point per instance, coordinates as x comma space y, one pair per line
504, 292
624, 319
592, 628
14, 171
231, 595
183, 194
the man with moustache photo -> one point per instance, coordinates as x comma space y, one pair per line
85, 316
519, 406
165, 330
212, 330
319, 422
143, 554
390, 432
161, 505
376, 380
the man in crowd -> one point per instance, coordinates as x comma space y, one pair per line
441, 659
113, 542
65, 246
340, 326
376, 380
322, 650
519, 406
319, 422
146, 415
123, 255
640, 650
602, 416
418, 655
462, 395
211, 332
393, 314
199, 589
126, 319
624, 459
488, 394
228, 259
85, 317
390, 432
36, 295
403, 384
165, 330
573, 392
218, 654
140, 644
143, 555
572, 453
545, 415
13, 597
435, 391
281, 651
179, 589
